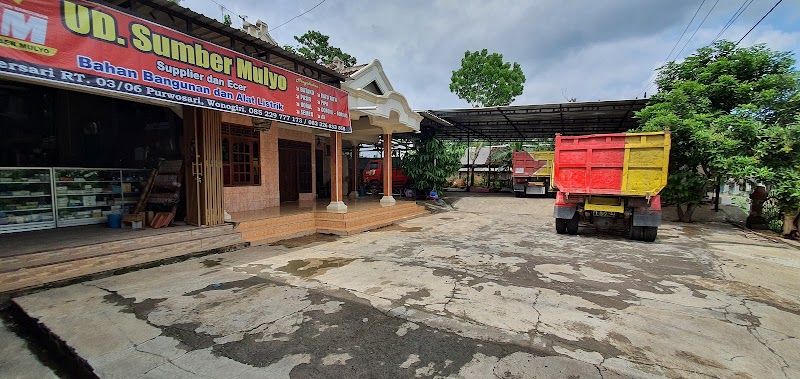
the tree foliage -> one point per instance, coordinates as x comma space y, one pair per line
315, 46
227, 20
484, 80
732, 111
433, 161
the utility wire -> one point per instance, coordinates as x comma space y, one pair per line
290, 20
244, 18
676, 45
742, 8
759, 21
698, 28
229, 11
684, 31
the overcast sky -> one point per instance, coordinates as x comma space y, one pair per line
587, 49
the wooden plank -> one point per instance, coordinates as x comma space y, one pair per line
140, 204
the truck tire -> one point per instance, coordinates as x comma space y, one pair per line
572, 224
561, 226
374, 188
636, 233
649, 233
518, 194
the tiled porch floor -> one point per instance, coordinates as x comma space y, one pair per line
295, 208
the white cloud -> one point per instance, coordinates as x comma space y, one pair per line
585, 49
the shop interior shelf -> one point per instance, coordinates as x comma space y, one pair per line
8, 228
87, 181
24, 182
86, 193
9, 197
26, 210
86, 206
82, 221
30, 223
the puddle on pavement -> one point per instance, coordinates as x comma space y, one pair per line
210, 263
307, 240
313, 266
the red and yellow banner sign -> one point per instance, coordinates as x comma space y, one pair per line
84, 44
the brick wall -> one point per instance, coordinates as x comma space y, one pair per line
238, 199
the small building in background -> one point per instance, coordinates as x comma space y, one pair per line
486, 172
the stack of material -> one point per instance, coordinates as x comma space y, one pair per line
165, 193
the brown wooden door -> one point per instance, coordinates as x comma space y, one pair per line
288, 172
294, 165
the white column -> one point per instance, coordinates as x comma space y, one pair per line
336, 205
387, 199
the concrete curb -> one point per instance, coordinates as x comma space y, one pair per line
772, 236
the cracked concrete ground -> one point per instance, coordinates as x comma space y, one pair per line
487, 290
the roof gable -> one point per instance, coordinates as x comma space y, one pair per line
370, 74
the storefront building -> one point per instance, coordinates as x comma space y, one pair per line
94, 94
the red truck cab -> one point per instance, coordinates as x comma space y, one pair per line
372, 177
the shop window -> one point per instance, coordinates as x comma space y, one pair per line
240, 156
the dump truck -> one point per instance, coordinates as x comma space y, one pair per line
531, 172
611, 180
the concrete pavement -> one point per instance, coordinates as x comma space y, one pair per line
17, 361
486, 290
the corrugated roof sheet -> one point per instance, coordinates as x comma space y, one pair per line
536, 121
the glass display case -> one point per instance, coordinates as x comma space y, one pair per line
26, 199
88, 195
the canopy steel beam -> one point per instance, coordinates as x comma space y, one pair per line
509, 121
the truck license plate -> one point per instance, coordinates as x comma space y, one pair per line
603, 214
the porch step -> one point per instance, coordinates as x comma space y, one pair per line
277, 229
37, 269
359, 222
265, 231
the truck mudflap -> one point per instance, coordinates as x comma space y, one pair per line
647, 218
646, 213
535, 189
565, 207
565, 212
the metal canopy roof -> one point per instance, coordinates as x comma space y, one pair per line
530, 122
185, 20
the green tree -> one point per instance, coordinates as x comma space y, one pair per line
433, 161
315, 46
484, 80
227, 20
722, 104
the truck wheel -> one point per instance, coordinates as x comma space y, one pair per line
561, 225
572, 224
649, 233
519, 194
635, 233
374, 188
